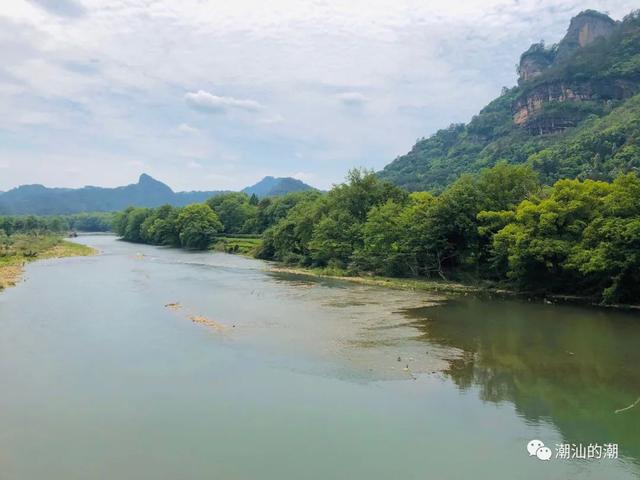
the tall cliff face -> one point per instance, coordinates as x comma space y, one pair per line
535, 61
584, 29
533, 110
542, 84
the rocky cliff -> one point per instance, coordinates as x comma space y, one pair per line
545, 75
585, 28
574, 113
535, 61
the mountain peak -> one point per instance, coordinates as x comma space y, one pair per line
144, 178
585, 28
147, 182
147, 192
273, 186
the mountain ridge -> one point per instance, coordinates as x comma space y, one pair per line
38, 199
563, 90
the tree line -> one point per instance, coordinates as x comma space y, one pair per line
500, 226
503, 226
84, 222
197, 226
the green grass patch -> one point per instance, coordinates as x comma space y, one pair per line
17, 250
243, 245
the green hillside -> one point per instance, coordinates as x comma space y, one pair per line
573, 114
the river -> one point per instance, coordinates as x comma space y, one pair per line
290, 377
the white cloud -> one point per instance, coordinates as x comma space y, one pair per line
271, 119
187, 129
34, 118
285, 78
352, 99
208, 102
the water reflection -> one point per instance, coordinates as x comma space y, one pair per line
570, 366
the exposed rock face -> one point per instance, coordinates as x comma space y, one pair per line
534, 61
526, 107
584, 28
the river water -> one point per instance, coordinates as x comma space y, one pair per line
289, 377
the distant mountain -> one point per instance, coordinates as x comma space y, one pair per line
148, 192
274, 186
41, 200
574, 113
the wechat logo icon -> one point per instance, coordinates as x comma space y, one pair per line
536, 448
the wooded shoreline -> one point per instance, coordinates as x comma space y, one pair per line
453, 288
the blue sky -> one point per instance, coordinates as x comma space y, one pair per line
213, 94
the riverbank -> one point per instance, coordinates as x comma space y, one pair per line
448, 287
247, 246
28, 249
437, 286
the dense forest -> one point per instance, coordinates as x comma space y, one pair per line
81, 222
500, 226
586, 122
197, 226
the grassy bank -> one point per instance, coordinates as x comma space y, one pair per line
427, 285
240, 244
17, 250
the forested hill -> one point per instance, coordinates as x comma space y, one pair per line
275, 186
148, 192
574, 113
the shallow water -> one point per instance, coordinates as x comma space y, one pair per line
300, 378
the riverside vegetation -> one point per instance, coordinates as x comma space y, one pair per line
20, 248
501, 226
27, 238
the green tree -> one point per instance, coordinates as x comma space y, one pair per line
235, 210
198, 226
504, 186
608, 254
133, 227
545, 233
384, 236
288, 240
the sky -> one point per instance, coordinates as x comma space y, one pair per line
216, 94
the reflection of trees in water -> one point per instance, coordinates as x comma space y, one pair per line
573, 367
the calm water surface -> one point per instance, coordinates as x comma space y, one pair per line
297, 378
